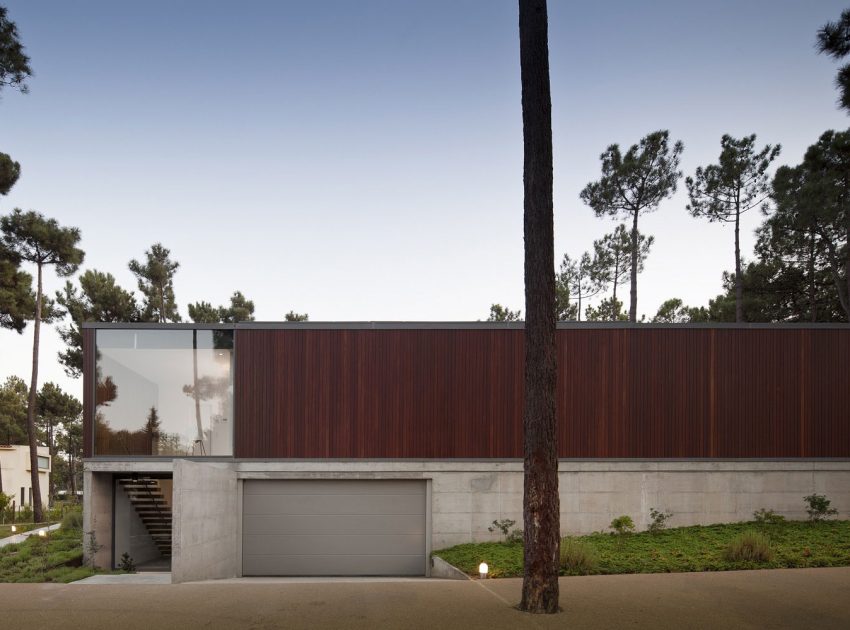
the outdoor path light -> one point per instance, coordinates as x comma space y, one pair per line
482, 570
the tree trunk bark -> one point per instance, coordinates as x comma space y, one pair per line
38, 513
633, 296
739, 283
616, 277
813, 316
72, 474
847, 261
541, 504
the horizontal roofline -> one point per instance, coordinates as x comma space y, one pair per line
400, 325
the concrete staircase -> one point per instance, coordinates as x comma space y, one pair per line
149, 501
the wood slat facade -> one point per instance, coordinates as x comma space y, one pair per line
623, 392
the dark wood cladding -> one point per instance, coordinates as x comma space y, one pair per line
622, 393
88, 390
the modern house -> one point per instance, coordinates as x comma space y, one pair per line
16, 474
357, 448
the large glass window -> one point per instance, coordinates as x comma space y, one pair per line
164, 392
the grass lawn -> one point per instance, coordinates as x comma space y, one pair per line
682, 549
56, 558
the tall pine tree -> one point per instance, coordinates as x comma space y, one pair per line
632, 184
42, 242
155, 277
726, 190
541, 503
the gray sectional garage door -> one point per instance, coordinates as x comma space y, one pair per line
333, 527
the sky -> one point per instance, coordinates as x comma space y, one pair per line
363, 160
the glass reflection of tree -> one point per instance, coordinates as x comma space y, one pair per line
207, 388
152, 430
194, 393
105, 392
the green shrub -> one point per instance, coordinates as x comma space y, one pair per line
658, 520
578, 558
768, 517
749, 546
73, 519
623, 525
504, 527
818, 507
127, 564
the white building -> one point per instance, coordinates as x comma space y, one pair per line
16, 478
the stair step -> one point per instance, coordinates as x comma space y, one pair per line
153, 509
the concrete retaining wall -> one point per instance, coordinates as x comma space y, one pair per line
467, 496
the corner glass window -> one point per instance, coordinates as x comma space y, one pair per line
43, 462
164, 392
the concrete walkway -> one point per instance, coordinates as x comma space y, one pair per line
19, 538
801, 598
142, 577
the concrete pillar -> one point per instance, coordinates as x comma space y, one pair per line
97, 518
205, 535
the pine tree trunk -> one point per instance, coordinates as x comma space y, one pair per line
847, 261
812, 308
72, 473
541, 504
38, 515
739, 283
633, 296
616, 277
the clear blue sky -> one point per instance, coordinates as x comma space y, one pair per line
362, 160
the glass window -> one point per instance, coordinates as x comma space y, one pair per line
43, 462
164, 392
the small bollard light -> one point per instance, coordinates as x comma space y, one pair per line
483, 570
42, 533
14, 528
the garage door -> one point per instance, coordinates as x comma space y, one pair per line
333, 527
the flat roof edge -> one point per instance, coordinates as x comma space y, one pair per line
403, 325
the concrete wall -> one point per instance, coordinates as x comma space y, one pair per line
97, 518
97, 502
467, 496
205, 534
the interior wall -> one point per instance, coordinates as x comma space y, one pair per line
130, 534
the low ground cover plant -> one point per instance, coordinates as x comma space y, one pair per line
58, 557
679, 549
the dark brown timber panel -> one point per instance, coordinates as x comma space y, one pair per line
622, 392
